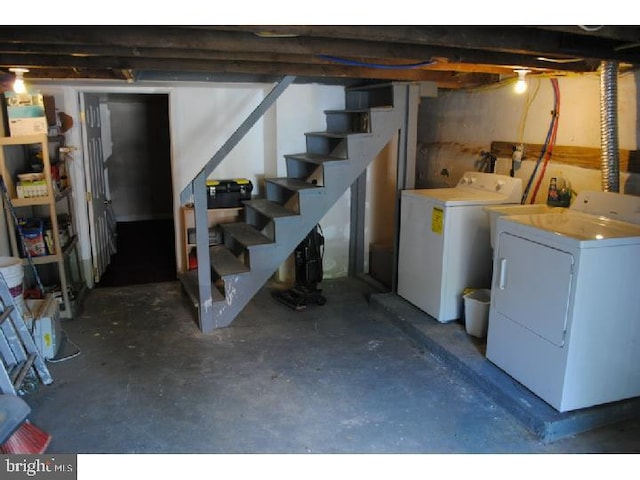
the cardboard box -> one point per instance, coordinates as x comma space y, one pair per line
45, 325
28, 126
25, 114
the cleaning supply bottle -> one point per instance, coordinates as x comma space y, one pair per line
559, 193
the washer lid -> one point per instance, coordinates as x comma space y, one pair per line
458, 196
579, 226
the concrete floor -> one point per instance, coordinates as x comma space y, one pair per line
340, 378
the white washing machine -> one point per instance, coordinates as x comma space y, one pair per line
445, 242
564, 318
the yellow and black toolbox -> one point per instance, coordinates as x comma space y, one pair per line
228, 193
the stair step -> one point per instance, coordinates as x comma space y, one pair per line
292, 184
270, 209
190, 283
225, 263
368, 96
245, 234
338, 135
314, 158
347, 110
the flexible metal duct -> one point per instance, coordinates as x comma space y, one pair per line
610, 156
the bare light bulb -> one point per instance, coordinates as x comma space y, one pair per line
18, 83
19, 86
521, 83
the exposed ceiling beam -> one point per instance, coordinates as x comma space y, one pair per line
246, 67
451, 56
92, 51
560, 42
232, 41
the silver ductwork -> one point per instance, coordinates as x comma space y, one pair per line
610, 154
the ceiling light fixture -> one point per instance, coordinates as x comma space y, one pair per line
18, 83
521, 83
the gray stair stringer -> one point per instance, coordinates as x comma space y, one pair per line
314, 204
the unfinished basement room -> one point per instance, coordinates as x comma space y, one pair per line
319, 239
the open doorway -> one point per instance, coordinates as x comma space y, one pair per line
139, 184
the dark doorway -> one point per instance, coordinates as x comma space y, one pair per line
140, 189
146, 254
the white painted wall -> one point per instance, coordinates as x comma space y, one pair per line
464, 123
202, 117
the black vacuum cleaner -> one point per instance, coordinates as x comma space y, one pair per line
308, 268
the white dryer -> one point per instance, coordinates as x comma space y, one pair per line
564, 318
445, 241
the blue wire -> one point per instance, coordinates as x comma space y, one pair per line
355, 63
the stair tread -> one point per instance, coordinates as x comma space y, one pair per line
190, 283
246, 234
329, 134
315, 158
362, 109
336, 134
293, 183
225, 263
348, 110
270, 209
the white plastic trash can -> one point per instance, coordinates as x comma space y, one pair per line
476, 312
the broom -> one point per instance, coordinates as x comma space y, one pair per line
27, 439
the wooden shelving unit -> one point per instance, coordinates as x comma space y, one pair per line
16, 156
215, 217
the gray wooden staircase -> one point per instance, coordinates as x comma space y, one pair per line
273, 226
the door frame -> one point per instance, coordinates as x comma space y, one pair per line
73, 108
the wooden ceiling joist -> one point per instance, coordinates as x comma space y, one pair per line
452, 56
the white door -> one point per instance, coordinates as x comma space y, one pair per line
101, 219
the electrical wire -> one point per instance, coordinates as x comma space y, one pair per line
355, 63
70, 356
525, 112
556, 118
525, 193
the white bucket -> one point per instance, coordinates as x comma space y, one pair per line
13, 273
476, 312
